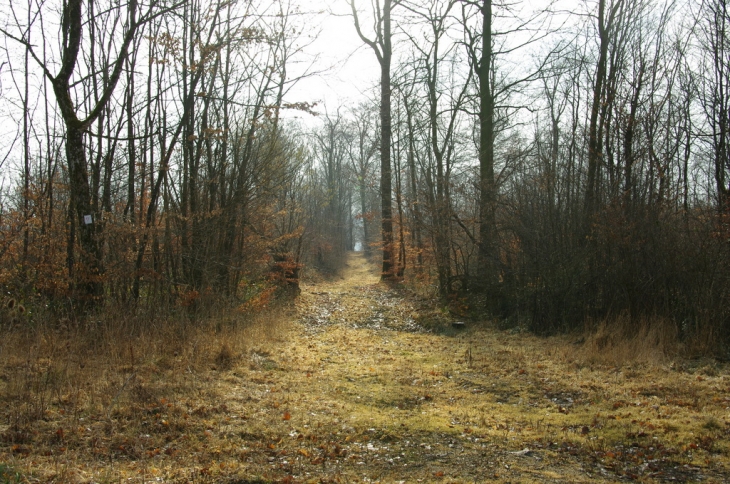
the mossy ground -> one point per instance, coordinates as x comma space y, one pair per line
354, 389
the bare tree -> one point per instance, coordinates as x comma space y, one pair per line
88, 276
361, 151
713, 24
382, 47
486, 46
444, 105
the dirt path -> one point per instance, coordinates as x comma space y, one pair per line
357, 390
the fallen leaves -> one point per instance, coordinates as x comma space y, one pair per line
21, 449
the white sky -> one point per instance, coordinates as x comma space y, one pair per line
349, 67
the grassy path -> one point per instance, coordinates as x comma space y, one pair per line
361, 392
356, 390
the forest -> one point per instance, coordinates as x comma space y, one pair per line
555, 169
502, 255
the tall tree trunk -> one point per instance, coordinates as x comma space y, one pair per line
629, 132
88, 287
488, 266
26, 160
595, 145
401, 267
383, 51
88, 281
416, 239
385, 139
362, 189
129, 211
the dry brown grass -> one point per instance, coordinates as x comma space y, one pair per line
355, 389
67, 389
623, 341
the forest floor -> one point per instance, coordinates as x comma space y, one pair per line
369, 383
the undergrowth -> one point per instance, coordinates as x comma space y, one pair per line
117, 360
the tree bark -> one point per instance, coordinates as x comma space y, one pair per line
88, 287
385, 139
383, 50
488, 259
595, 145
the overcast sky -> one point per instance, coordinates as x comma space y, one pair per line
349, 68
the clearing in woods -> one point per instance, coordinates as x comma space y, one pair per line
373, 384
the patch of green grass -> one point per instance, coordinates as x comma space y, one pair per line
8, 475
711, 423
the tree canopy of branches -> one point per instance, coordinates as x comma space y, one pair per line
554, 168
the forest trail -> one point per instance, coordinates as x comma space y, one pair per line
370, 383
361, 392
